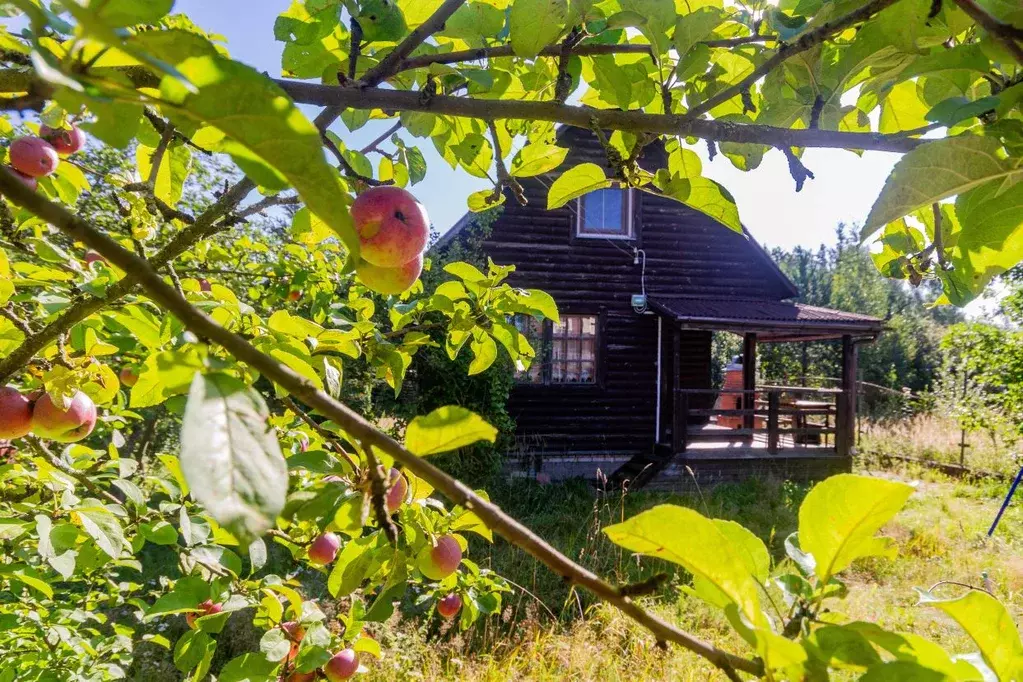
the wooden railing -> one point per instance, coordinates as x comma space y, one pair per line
772, 417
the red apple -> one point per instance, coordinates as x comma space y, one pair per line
323, 549
392, 225
397, 492
441, 560
449, 606
93, 257
29, 182
295, 633
390, 280
65, 140
33, 156
204, 284
208, 609
296, 676
15, 413
129, 377
294, 296
343, 665
53, 422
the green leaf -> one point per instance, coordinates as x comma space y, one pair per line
192, 648
249, 668
163, 375
275, 644
575, 182
702, 194
446, 428
174, 168
537, 158
915, 649
381, 20
955, 109
534, 24
129, 12
464, 271
686, 537
252, 110
902, 671
484, 352
102, 526
230, 456
937, 170
751, 551
990, 625
839, 517
695, 27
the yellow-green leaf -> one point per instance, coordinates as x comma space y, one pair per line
447, 428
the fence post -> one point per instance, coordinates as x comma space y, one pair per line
772, 422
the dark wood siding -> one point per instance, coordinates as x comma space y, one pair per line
686, 253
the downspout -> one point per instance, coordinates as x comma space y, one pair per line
657, 414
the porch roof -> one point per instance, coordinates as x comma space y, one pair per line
771, 320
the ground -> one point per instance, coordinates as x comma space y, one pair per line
553, 633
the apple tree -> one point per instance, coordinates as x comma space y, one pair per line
172, 304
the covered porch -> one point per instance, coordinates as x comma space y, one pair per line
742, 419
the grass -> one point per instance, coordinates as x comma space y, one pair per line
550, 632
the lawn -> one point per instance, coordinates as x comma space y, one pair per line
548, 631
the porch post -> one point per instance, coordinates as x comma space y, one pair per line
845, 424
679, 421
749, 379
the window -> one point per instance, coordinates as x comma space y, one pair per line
566, 353
605, 213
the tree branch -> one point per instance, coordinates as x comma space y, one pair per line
157, 158
68, 470
169, 213
346, 167
804, 42
372, 146
1007, 34
388, 66
587, 117
360, 429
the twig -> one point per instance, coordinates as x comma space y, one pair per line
162, 125
797, 170
378, 494
939, 238
1007, 34
320, 431
958, 584
356, 47
804, 42
157, 158
346, 167
388, 66
168, 213
268, 202
360, 429
65, 468
504, 178
175, 279
8, 312
372, 146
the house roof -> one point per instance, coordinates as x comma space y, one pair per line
772, 320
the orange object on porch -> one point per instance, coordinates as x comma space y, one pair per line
731, 401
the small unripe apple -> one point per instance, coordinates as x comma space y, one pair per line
66, 141
53, 422
295, 633
94, 257
323, 549
333, 478
15, 413
392, 225
390, 281
449, 606
128, 376
29, 182
33, 156
441, 560
208, 609
397, 492
343, 665
204, 284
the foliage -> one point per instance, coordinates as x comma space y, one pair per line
255, 470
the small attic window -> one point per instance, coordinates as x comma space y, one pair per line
605, 213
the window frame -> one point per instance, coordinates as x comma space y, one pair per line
547, 342
628, 211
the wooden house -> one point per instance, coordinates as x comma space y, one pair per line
621, 387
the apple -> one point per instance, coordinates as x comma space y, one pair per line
323, 549
448, 606
15, 413
204, 284
295, 633
390, 280
441, 560
208, 609
343, 665
396, 494
64, 426
128, 377
296, 676
333, 478
294, 296
93, 257
33, 156
392, 225
66, 141
29, 182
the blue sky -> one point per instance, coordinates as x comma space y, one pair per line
844, 189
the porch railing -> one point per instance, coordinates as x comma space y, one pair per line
771, 417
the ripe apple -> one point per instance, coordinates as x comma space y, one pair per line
33, 156
15, 413
323, 549
66, 141
204, 284
392, 225
294, 296
397, 492
93, 257
449, 606
390, 280
29, 182
441, 560
128, 376
295, 633
53, 422
208, 609
296, 676
343, 665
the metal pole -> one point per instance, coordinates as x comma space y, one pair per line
1005, 504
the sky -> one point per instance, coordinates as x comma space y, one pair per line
843, 190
